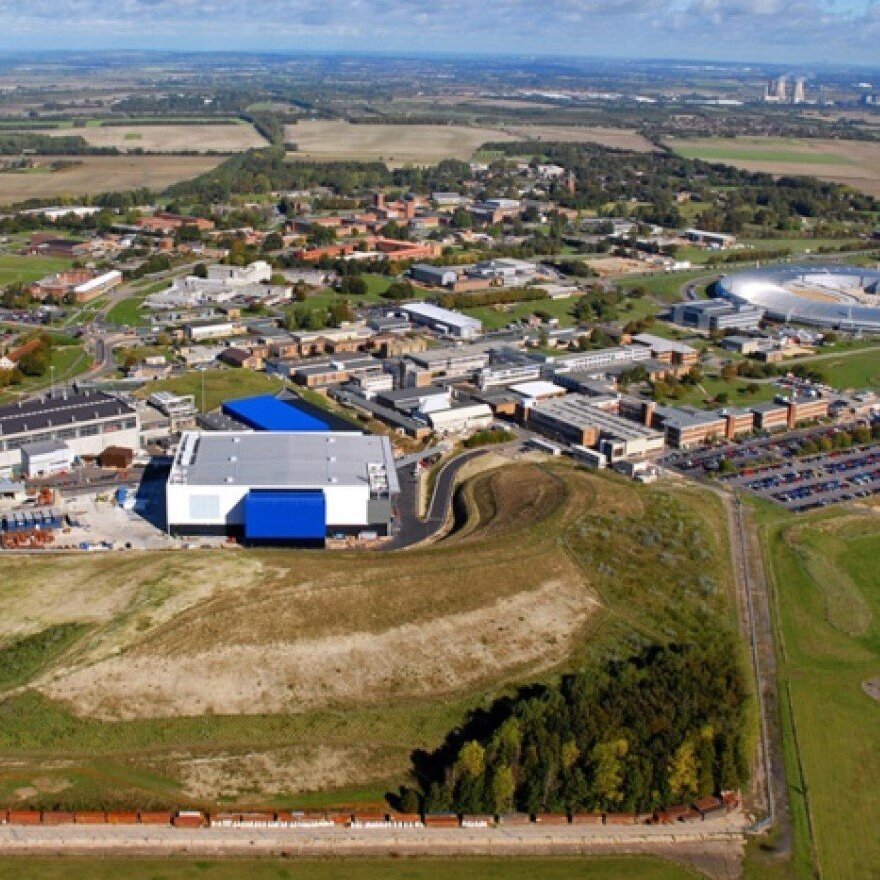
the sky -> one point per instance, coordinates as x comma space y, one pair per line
805, 31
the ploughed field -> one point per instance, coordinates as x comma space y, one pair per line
258, 678
855, 163
228, 137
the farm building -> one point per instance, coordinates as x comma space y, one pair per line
281, 486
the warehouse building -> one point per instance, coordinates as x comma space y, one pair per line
280, 486
87, 421
445, 322
433, 276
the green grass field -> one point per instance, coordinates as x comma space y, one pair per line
341, 869
760, 154
494, 318
127, 312
219, 385
827, 603
664, 286
17, 269
736, 389
861, 370
69, 362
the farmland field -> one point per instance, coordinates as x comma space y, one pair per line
252, 678
617, 138
171, 138
599, 868
98, 174
823, 571
394, 144
856, 163
428, 144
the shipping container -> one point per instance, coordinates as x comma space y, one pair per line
24, 817
90, 817
477, 821
442, 820
116, 817
189, 819
153, 817
408, 819
551, 819
620, 819
587, 819
57, 817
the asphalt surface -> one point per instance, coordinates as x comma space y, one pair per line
413, 529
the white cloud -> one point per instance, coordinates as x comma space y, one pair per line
810, 29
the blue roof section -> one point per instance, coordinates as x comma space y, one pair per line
268, 413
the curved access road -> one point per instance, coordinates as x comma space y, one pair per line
415, 529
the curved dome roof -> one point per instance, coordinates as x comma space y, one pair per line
833, 296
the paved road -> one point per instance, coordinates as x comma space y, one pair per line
413, 528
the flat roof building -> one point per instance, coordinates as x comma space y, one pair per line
717, 315
87, 421
445, 322
686, 427
587, 421
281, 486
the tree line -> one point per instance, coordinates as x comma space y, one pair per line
660, 727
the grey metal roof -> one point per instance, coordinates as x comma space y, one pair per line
63, 410
43, 447
845, 307
276, 459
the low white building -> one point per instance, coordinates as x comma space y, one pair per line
46, 458
461, 419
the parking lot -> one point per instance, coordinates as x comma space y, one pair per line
816, 480
801, 470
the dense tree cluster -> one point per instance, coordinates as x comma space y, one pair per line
729, 197
660, 727
14, 143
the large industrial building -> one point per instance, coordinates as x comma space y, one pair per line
281, 486
446, 322
85, 421
840, 297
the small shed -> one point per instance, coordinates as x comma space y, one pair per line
118, 457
